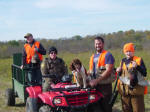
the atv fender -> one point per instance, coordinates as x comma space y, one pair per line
33, 91
46, 98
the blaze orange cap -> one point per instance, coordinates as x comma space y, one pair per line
128, 47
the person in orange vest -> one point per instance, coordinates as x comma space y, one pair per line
31, 58
101, 67
131, 82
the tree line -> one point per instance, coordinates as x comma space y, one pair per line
77, 43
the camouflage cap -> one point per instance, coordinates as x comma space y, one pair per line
28, 35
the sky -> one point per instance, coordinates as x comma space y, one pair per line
53, 19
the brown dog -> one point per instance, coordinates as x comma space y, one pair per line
79, 73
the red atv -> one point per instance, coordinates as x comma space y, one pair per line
62, 97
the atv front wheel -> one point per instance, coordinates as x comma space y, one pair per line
10, 97
31, 105
45, 108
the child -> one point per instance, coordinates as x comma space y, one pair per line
133, 68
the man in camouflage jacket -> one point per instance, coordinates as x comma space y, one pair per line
52, 66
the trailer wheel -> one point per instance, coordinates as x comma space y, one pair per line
45, 108
10, 97
31, 105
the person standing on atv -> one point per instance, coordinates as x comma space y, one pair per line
52, 65
31, 58
134, 70
101, 67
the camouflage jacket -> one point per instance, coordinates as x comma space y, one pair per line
56, 67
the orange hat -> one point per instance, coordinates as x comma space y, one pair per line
128, 47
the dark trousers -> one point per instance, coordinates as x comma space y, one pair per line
34, 77
103, 104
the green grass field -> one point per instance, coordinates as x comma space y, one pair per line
5, 77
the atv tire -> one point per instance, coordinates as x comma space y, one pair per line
45, 108
31, 105
10, 97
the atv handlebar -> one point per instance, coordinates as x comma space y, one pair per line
49, 76
70, 89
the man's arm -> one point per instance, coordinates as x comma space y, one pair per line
41, 49
105, 75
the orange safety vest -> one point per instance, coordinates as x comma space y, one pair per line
30, 51
101, 61
138, 61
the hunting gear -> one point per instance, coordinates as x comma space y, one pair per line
132, 83
32, 57
115, 91
52, 65
101, 67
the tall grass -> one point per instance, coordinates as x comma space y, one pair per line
5, 70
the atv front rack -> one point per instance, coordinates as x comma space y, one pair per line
77, 100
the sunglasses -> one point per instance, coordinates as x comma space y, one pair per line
53, 52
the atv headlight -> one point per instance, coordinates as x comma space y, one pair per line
57, 101
92, 97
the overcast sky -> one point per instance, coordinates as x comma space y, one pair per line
53, 19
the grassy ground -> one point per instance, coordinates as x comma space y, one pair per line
5, 82
5, 78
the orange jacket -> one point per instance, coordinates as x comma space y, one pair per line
101, 61
30, 51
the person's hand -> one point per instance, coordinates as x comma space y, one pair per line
22, 66
134, 64
88, 73
52, 85
93, 82
118, 69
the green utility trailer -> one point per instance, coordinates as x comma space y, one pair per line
19, 82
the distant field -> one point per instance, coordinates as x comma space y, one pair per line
5, 76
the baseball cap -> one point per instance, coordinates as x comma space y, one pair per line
28, 35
